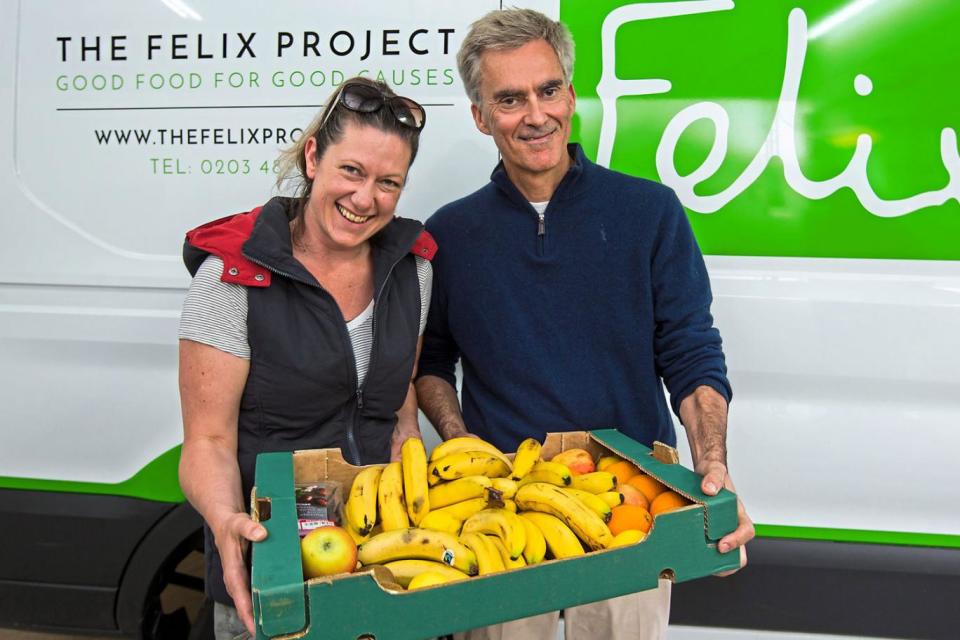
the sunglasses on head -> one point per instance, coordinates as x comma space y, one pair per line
363, 98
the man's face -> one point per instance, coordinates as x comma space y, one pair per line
526, 107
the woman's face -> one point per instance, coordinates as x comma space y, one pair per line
356, 185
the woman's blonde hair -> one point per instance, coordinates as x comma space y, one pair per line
327, 128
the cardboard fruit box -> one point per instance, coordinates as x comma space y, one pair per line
681, 546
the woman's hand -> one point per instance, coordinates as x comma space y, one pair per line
408, 423
232, 536
211, 384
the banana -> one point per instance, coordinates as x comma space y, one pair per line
595, 482
551, 472
357, 538
595, 503
413, 543
393, 510
447, 493
508, 562
441, 521
406, 570
547, 498
506, 487
465, 509
468, 463
413, 459
560, 540
429, 579
501, 523
456, 445
488, 556
627, 537
528, 454
510, 505
612, 498
536, 548
360, 511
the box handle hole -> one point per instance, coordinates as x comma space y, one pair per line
262, 513
668, 574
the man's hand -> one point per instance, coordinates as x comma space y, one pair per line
438, 401
704, 415
232, 538
715, 477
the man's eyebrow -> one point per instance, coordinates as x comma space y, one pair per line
507, 93
518, 93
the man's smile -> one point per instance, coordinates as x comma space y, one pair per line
535, 137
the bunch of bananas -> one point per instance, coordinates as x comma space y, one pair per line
469, 510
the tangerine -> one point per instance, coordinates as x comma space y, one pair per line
629, 516
606, 461
647, 485
667, 501
623, 470
632, 495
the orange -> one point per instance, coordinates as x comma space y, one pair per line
632, 495
623, 470
606, 461
667, 501
629, 516
647, 485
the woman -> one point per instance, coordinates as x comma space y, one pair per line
302, 326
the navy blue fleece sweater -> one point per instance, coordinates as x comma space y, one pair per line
576, 327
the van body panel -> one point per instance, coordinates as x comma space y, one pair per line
839, 311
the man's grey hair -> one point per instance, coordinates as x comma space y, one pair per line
510, 29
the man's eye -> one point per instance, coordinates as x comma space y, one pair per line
509, 102
391, 184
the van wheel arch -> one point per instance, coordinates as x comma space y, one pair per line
153, 567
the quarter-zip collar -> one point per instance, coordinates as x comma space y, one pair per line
571, 185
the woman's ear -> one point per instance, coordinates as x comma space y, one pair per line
310, 156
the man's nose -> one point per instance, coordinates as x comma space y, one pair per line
535, 115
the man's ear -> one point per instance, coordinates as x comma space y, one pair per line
573, 95
478, 119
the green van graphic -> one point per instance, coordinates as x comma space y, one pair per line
786, 127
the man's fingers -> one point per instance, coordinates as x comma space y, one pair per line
743, 563
740, 536
713, 481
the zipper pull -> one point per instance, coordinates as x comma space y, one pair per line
540, 224
359, 398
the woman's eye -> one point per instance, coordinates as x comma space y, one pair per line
350, 169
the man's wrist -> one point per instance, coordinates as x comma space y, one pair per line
452, 429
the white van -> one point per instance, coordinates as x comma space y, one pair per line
129, 123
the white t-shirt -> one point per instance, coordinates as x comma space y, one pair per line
215, 314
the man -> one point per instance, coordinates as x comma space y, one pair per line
569, 292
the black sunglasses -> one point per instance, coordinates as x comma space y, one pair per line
363, 98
